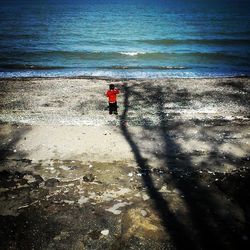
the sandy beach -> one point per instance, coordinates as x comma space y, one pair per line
170, 171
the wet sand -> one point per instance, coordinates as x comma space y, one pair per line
171, 171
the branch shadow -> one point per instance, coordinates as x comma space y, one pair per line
179, 235
213, 216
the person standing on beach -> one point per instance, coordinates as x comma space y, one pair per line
111, 94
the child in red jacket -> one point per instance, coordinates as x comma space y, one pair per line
111, 94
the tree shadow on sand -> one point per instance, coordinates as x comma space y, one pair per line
212, 220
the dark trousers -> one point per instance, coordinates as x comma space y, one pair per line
113, 108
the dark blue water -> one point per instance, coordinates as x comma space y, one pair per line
137, 38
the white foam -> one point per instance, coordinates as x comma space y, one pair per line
132, 53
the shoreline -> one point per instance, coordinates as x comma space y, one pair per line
121, 78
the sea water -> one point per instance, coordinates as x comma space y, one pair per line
126, 38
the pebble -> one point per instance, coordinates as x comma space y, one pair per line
68, 202
29, 178
145, 197
164, 189
130, 174
143, 213
105, 232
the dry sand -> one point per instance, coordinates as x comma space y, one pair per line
137, 180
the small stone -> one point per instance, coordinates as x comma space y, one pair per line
29, 178
105, 232
145, 197
164, 189
130, 174
68, 202
88, 178
143, 213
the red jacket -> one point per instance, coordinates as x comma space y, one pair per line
111, 94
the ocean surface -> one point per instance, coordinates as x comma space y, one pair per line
136, 39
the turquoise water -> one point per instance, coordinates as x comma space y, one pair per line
125, 38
